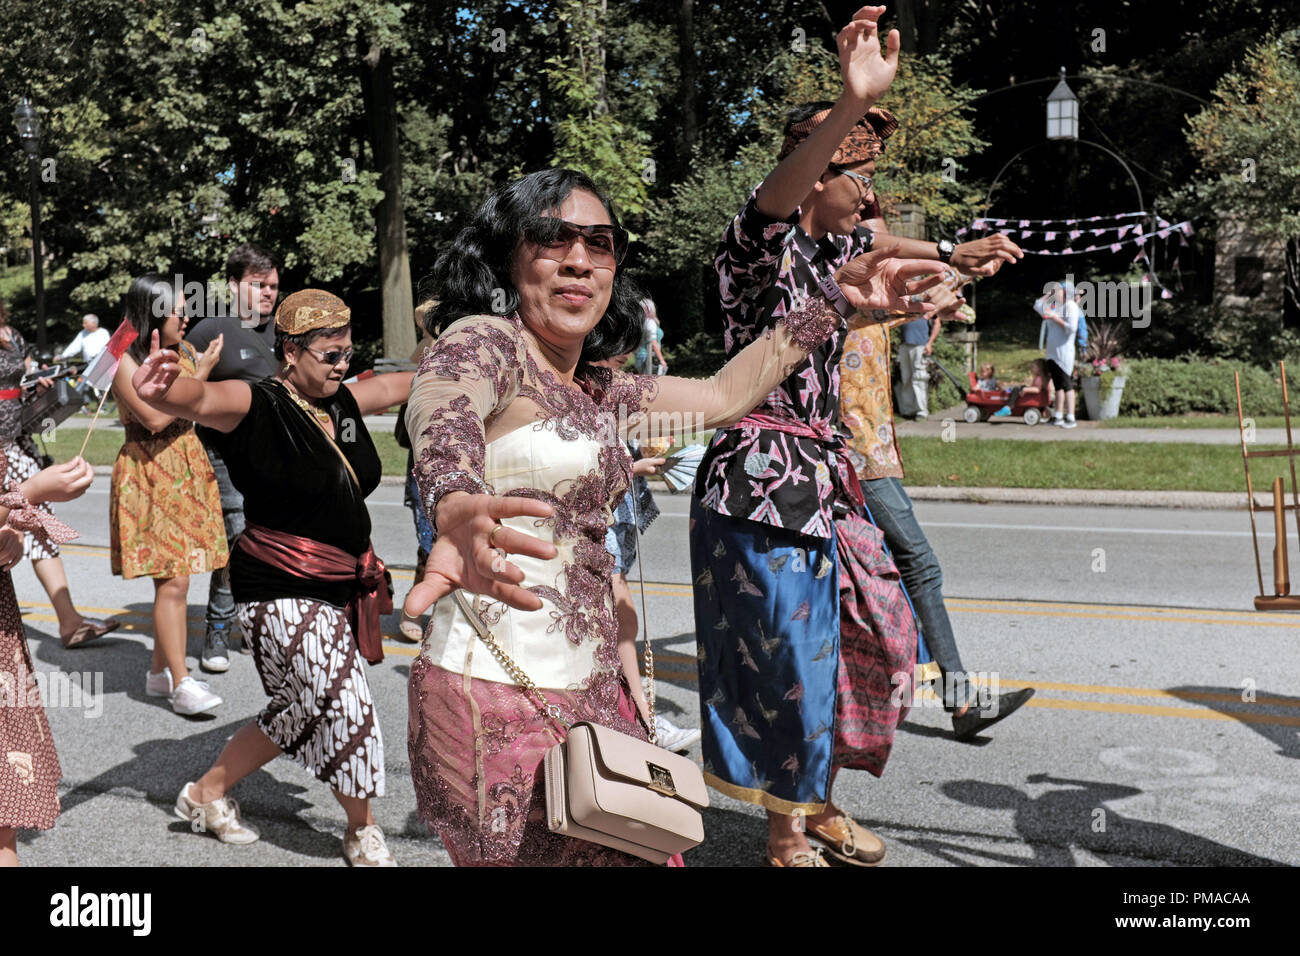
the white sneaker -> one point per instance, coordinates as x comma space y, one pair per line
674, 738
1070, 422
158, 685
1058, 421
366, 847
220, 817
193, 697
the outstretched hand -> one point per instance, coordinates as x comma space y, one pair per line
867, 73
157, 372
984, 257
467, 555
876, 280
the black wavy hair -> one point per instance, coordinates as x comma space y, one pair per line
472, 277
147, 306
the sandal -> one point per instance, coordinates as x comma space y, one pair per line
90, 630
409, 629
798, 858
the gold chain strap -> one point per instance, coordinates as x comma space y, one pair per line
516, 673
546, 708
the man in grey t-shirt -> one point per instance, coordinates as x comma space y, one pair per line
248, 354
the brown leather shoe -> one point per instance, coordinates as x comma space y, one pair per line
799, 858
848, 841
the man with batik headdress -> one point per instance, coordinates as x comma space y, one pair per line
308, 588
802, 626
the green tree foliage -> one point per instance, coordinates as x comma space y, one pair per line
1248, 146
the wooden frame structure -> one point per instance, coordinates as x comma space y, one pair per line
1281, 599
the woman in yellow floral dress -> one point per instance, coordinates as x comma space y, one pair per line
165, 510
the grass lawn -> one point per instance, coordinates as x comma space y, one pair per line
1084, 464
1199, 421
104, 445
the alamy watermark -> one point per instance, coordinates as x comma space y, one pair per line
203, 300
1110, 300
80, 690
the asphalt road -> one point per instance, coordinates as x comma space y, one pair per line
1139, 749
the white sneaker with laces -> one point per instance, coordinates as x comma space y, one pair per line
1070, 422
366, 847
193, 697
220, 818
674, 738
158, 685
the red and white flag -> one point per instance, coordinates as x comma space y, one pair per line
100, 372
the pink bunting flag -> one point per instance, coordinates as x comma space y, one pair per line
1024, 223
1050, 236
1115, 247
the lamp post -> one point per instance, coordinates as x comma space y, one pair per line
29, 131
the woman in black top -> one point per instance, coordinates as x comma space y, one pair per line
305, 581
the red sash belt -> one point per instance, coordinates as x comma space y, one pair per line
6, 393
821, 432
309, 558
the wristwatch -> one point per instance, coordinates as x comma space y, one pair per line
835, 297
945, 250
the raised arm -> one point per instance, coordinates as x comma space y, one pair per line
866, 74
158, 387
381, 392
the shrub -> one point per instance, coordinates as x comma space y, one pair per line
1178, 387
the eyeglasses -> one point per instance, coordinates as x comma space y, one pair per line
333, 356
606, 244
865, 180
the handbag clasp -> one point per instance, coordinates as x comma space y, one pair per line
661, 781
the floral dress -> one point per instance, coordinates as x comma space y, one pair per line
164, 506
487, 414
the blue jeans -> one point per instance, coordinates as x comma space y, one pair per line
891, 510
411, 498
221, 603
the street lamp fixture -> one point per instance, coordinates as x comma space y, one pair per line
1062, 112
28, 124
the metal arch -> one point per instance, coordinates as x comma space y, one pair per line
988, 199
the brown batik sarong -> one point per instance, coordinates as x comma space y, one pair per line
321, 712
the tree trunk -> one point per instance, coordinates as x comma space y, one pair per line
908, 26
390, 218
687, 91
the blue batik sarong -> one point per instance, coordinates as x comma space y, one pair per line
768, 666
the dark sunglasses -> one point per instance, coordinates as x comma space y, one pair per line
333, 356
606, 244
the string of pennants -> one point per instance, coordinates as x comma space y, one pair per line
1125, 233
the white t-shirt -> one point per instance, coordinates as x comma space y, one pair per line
1060, 341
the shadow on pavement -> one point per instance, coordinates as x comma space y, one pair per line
1274, 717
163, 765
1074, 815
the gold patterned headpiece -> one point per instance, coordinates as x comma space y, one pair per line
864, 142
311, 309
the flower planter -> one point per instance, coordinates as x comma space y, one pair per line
1101, 407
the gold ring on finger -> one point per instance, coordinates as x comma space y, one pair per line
493, 534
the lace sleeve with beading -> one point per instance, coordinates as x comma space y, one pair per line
738, 386
468, 375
